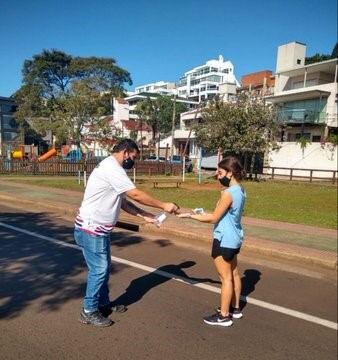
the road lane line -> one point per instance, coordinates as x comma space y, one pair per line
249, 300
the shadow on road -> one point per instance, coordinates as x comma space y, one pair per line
140, 286
249, 280
36, 271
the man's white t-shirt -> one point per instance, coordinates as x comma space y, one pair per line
103, 196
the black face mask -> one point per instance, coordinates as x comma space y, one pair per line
128, 164
225, 181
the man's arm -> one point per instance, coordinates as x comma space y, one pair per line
132, 209
145, 199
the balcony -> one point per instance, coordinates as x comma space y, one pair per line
300, 116
183, 134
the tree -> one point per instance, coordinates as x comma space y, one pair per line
81, 116
157, 113
334, 53
245, 128
317, 58
55, 83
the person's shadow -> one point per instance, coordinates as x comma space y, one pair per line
140, 286
249, 280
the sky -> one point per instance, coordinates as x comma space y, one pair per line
161, 39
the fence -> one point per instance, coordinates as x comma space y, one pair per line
64, 167
298, 173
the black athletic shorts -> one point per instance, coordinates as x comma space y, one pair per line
227, 253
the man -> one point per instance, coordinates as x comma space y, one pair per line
104, 197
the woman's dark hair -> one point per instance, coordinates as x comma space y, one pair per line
126, 145
231, 163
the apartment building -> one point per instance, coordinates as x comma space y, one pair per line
202, 82
258, 84
306, 100
10, 135
305, 95
159, 87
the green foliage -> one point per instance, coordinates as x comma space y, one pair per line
158, 112
322, 57
246, 126
63, 94
334, 53
333, 139
303, 142
317, 58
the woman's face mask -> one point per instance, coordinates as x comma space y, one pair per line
223, 178
225, 181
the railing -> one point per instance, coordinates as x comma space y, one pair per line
298, 173
299, 116
59, 167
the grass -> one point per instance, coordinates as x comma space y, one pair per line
295, 202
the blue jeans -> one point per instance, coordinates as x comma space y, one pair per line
96, 251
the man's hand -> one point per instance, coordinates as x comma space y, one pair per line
171, 208
148, 219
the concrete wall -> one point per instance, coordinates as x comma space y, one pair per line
288, 56
314, 156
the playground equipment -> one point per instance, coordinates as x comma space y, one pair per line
47, 155
17, 154
21, 152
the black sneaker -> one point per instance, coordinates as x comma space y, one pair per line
106, 310
218, 319
235, 313
94, 318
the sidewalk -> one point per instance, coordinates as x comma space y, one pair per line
302, 243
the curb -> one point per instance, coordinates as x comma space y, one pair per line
249, 245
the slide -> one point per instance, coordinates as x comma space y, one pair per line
47, 155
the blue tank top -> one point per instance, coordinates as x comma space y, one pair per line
229, 229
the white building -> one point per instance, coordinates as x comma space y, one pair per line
306, 101
202, 82
159, 87
227, 92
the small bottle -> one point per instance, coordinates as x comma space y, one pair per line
199, 211
159, 219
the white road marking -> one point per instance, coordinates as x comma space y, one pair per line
260, 303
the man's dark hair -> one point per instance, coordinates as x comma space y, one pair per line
126, 145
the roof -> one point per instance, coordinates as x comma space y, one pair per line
144, 95
3, 98
297, 95
135, 125
326, 66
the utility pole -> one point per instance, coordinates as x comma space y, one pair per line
173, 126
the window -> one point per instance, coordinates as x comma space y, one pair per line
316, 138
299, 61
10, 135
226, 71
305, 136
7, 108
9, 122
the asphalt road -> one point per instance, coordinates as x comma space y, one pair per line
42, 282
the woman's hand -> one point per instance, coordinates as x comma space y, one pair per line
184, 215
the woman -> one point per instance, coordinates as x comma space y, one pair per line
228, 237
